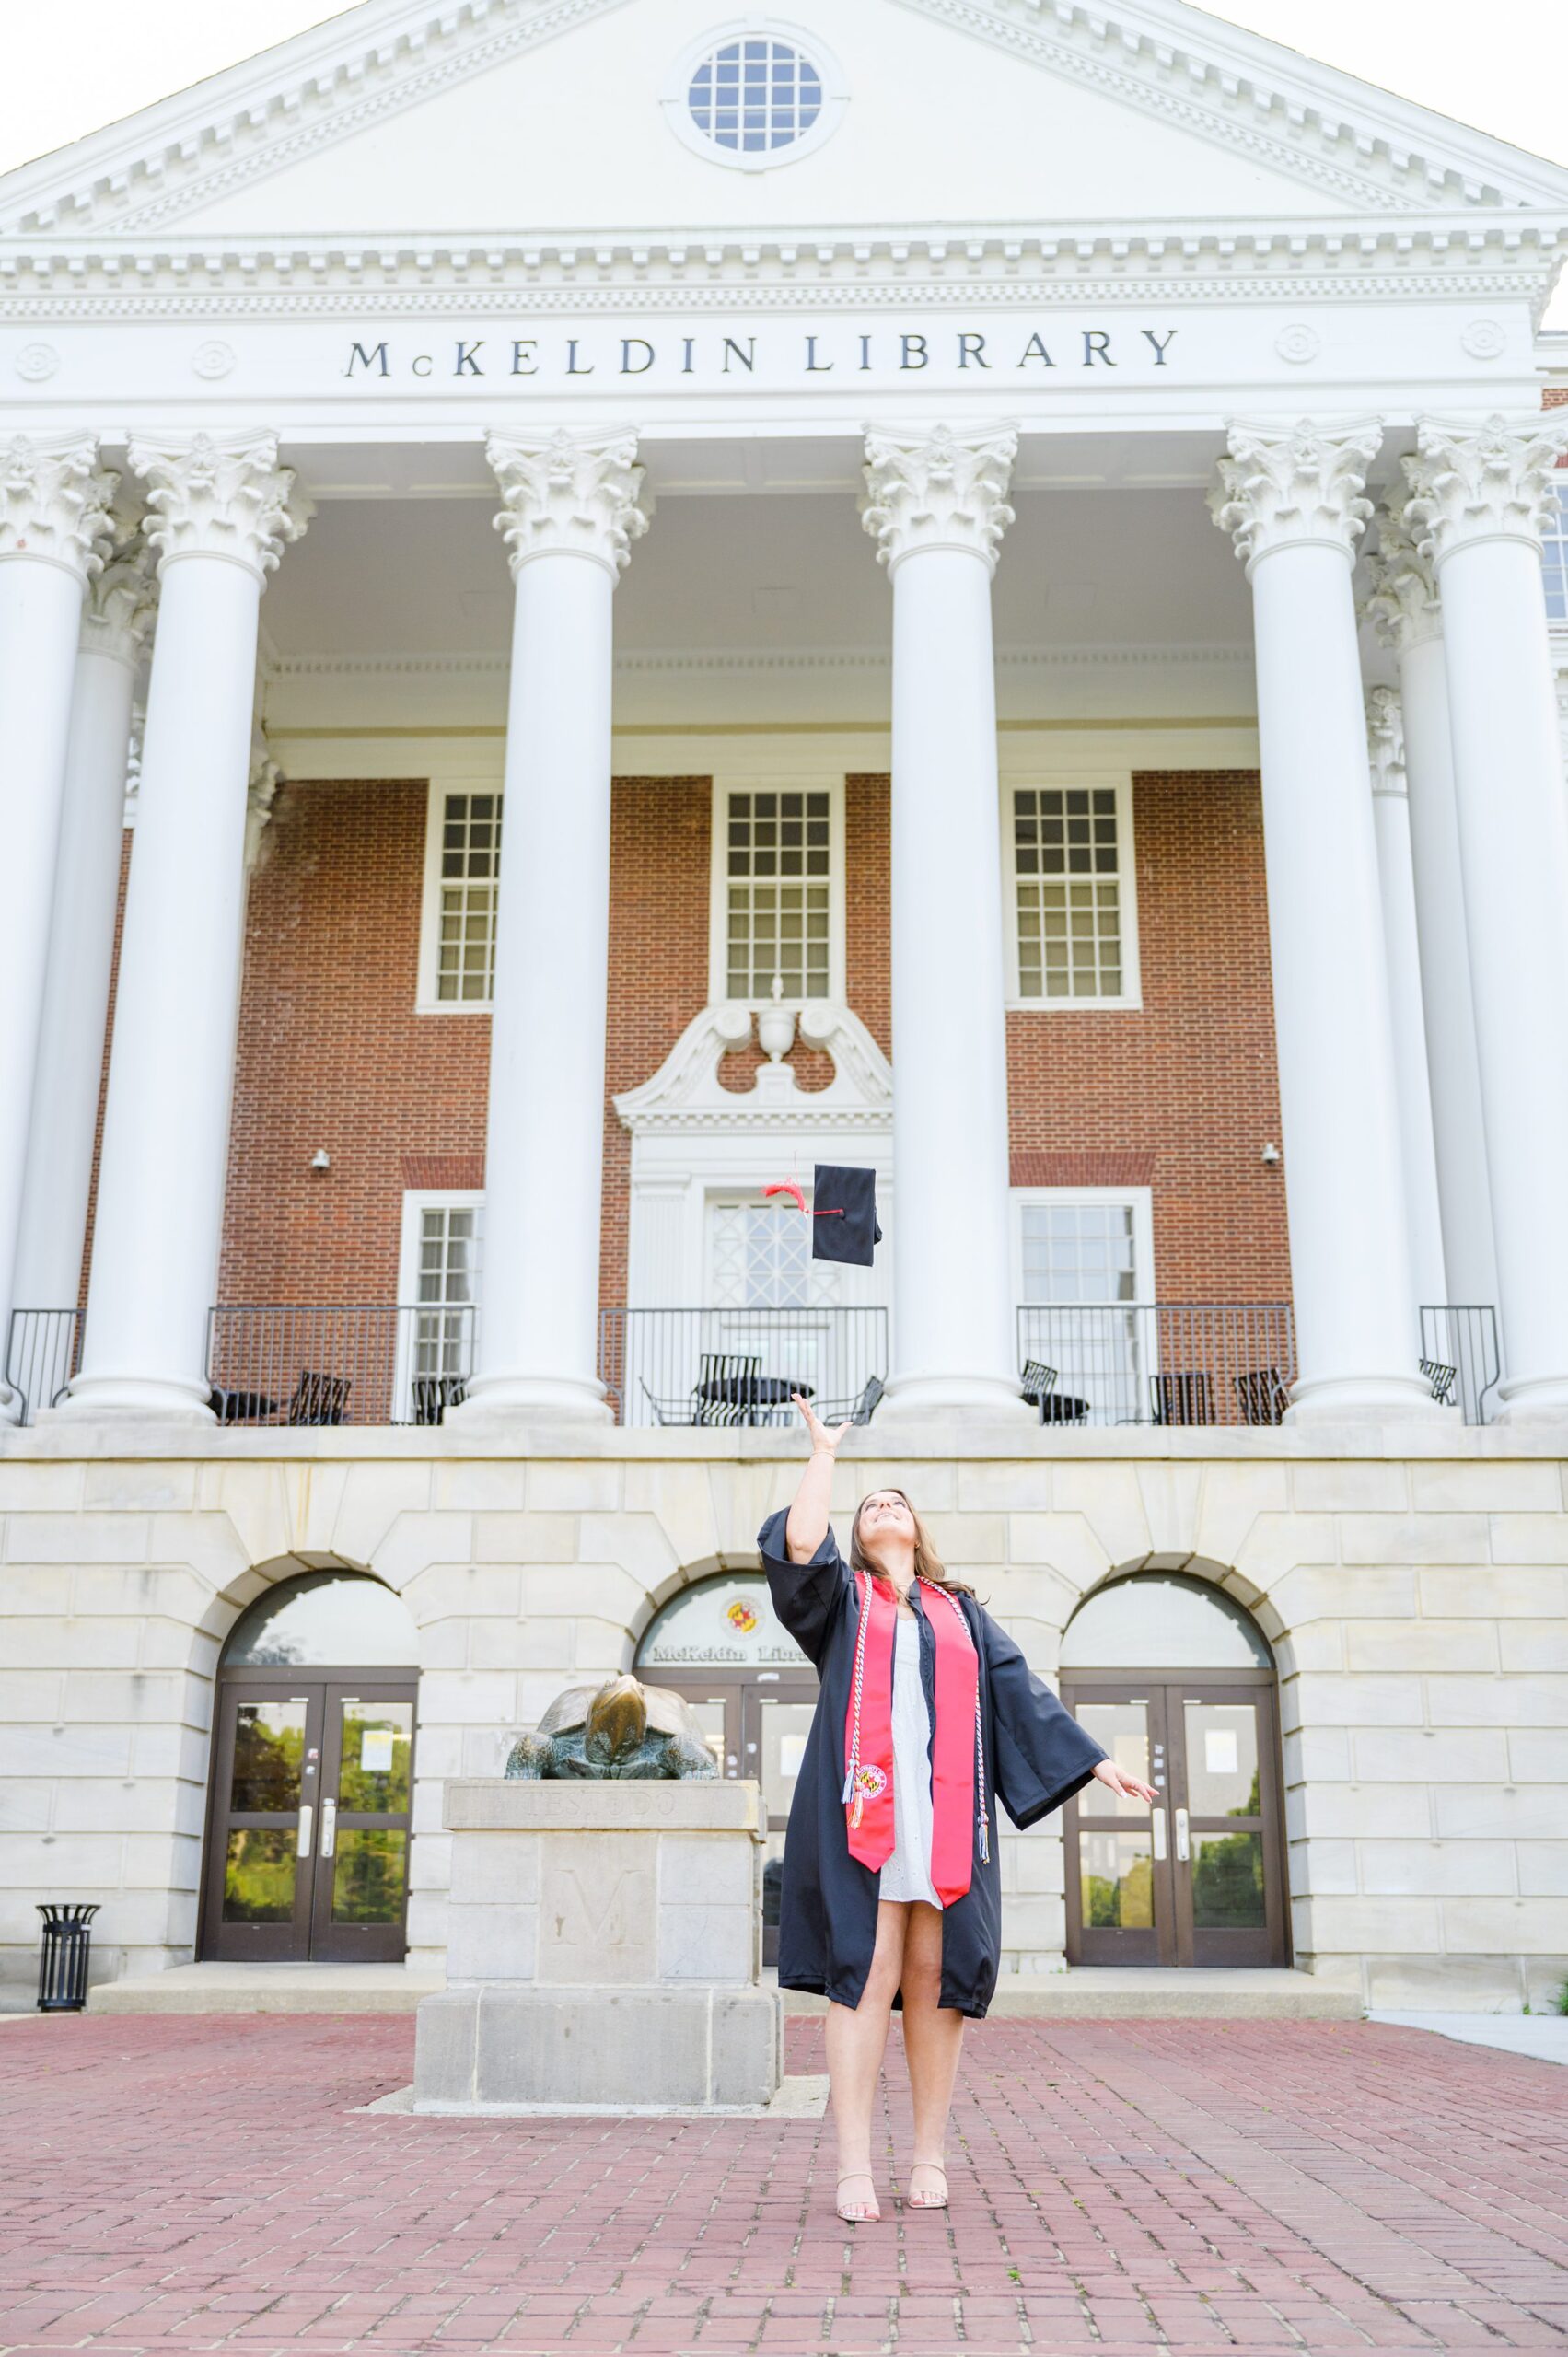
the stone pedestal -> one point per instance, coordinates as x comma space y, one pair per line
605, 1949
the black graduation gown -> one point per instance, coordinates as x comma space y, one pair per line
1037, 1756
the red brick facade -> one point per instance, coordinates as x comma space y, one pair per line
1179, 1096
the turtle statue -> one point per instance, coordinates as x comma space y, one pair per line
621, 1728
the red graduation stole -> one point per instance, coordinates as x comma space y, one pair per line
957, 1758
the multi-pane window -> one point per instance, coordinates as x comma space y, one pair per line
1556, 554
754, 95
760, 1257
446, 1284
469, 874
1066, 864
1084, 1251
778, 892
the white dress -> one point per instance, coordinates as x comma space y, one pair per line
907, 1873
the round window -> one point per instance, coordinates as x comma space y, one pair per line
754, 94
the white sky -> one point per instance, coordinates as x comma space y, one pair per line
74, 66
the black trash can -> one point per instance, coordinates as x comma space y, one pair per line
63, 1964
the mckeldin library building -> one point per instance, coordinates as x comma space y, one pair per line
601, 605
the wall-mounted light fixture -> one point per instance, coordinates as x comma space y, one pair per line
320, 1159
1272, 1154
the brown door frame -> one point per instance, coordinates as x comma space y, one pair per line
359, 1943
1175, 1941
292, 1942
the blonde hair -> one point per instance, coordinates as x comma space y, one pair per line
927, 1563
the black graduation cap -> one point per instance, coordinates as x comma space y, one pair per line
843, 1225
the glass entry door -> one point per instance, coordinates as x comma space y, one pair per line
1199, 1879
309, 1835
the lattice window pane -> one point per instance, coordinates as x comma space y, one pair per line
761, 1256
447, 1281
1079, 1252
780, 884
1066, 856
1556, 555
470, 869
754, 95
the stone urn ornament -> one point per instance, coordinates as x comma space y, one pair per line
620, 1729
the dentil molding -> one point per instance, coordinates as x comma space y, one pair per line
1285, 486
1404, 606
941, 490
56, 503
568, 495
1492, 482
1385, 740
219, 495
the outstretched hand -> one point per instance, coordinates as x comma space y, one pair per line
823, 1438
1125, 1787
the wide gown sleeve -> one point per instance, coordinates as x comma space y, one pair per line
1040, 1756
807, 1598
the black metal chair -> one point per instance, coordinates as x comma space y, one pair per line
1261, 1396
1184, 1397
858, 1411
319, 1399
719, 1372
1037, 1382
671, 1412
434, 1394
1442, 1378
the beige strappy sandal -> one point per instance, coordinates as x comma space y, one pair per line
858, 2213
913, 2201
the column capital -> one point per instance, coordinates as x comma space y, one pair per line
1290, 486
117, 619
1403, 607
938, 490
1490, 482
219, 494
54, 501
1385, 740
568, 495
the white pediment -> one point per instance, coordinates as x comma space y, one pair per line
686, 1094
546, 119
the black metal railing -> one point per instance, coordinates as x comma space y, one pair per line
723, 1367
43, 1351
1159, 1363
1460, 1356
352, 1364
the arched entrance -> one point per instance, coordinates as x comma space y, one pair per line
309, 1820
1177, 1683
720, 1644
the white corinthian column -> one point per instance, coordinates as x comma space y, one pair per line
569, 514
115, 627
54, 521
1292, 498
1480, 495
936, 507
219, 512
1391, 823
1404, 610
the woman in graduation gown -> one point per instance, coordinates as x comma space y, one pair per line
928, 1718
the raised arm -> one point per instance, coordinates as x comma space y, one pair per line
807, 1523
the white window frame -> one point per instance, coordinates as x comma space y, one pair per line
416, 1201
718, 891
1139, 1200
1131, 993
1555, 554
426, 1002
677, 113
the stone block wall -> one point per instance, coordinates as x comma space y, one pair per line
1417, 1605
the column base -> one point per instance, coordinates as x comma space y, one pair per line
964, 1399
131, 1395
1362, 1400
551, 1398
1533, 1400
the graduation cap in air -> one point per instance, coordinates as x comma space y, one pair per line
843, 1214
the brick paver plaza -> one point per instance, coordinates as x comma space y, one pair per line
201, 2184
